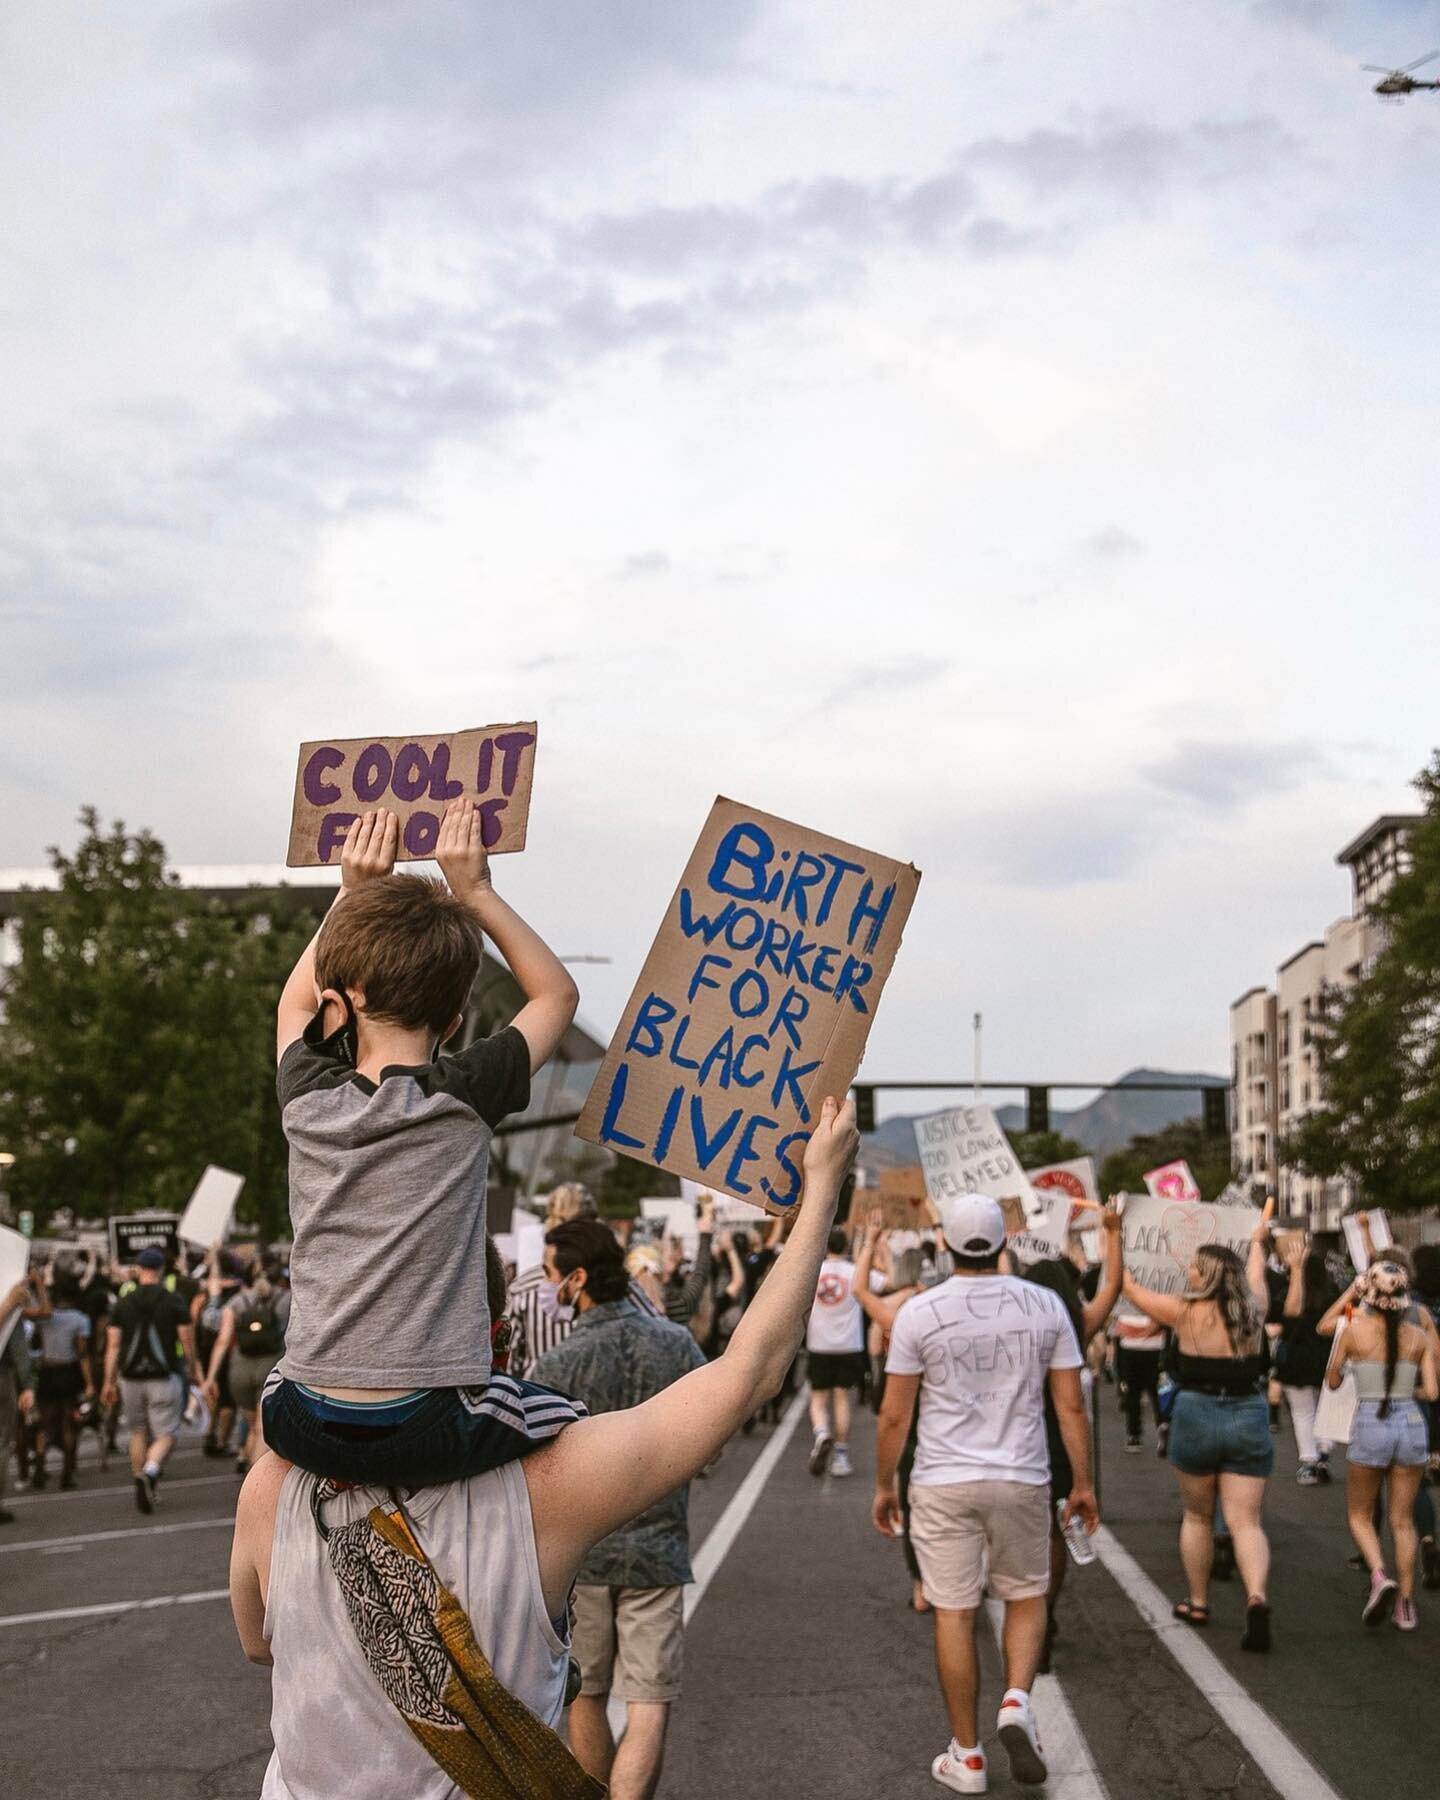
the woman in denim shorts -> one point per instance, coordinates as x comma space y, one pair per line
1220, 1443
1389, 1347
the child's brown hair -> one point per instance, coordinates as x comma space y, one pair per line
408, 944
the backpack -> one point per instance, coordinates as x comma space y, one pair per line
257, 1330
143, 1355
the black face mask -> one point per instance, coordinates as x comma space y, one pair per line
344, 1041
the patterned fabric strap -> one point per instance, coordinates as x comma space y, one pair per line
422, 1650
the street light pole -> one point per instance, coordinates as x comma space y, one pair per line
978, 1023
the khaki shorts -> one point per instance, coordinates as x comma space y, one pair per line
630, 1641
977, 1533
153, 1407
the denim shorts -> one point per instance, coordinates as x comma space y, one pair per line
1400, 1437
1221, 1434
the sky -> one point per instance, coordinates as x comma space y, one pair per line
999, 435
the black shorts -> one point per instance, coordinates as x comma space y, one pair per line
847, 1371
59, 1382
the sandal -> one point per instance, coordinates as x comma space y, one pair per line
1257, 1627
1191, 1613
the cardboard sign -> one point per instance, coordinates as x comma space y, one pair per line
1046, 1232
964, 1151
209, 1210
1162, 1235
337, 779
1172, 1181
143, 1231
1077, 1179
754, 1004
14, 1261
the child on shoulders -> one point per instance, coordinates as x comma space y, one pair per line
386, 1377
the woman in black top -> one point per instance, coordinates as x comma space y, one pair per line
1220, 1443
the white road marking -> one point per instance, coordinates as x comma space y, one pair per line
722, 1535
102, 1537
115, 1606
1074, 1773
1280, 1759
705, 1564
168, 1486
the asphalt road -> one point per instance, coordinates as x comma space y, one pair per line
807, 1674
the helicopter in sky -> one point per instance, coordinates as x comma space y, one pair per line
1400, 82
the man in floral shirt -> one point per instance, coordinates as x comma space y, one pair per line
629, 1596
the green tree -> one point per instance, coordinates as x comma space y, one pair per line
1123, 1171
1378, 1045
137, 1043
1037, 1148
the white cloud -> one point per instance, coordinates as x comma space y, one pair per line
960, 432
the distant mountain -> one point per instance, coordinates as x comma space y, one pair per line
1107, 1123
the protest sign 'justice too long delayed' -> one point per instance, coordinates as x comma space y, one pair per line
754, 1003
417, 778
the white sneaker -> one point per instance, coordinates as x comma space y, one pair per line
820, 1452
1021, 1737
840, 1461
962, 1771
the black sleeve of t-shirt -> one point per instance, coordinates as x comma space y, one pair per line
310, 1062
178, 1309
493, 1075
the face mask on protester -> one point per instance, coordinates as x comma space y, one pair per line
553, 1303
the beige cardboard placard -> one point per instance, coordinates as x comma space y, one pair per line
900, 1200
337, 779
754, 1003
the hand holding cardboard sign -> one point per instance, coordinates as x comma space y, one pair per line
371, 845
833, 1143
460, 850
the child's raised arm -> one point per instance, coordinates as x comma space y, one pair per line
550, 994
371, 845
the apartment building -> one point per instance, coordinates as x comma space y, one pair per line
1274, 1062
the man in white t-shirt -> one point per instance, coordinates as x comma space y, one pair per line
835, 1357
980, 1350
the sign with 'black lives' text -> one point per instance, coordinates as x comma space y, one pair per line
754, 1004
417, 778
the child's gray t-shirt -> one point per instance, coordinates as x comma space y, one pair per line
387, 1203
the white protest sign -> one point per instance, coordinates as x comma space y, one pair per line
1172, 1181
14, 1261
1366, 1234
1234, 1193
728, 1210
1090, 1244
1075, 1178
209, 1210
529, 1235
1047, 1231
964, 1151
676, 1219
1162, 1235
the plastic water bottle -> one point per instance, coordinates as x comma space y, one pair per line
1077, 1538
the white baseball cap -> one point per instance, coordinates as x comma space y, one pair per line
973, 1224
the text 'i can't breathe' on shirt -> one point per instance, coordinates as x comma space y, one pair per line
983, 1346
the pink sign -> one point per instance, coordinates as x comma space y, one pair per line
1172, 1181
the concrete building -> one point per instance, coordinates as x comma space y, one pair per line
1274, 1058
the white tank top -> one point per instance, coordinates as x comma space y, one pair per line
334, 1730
